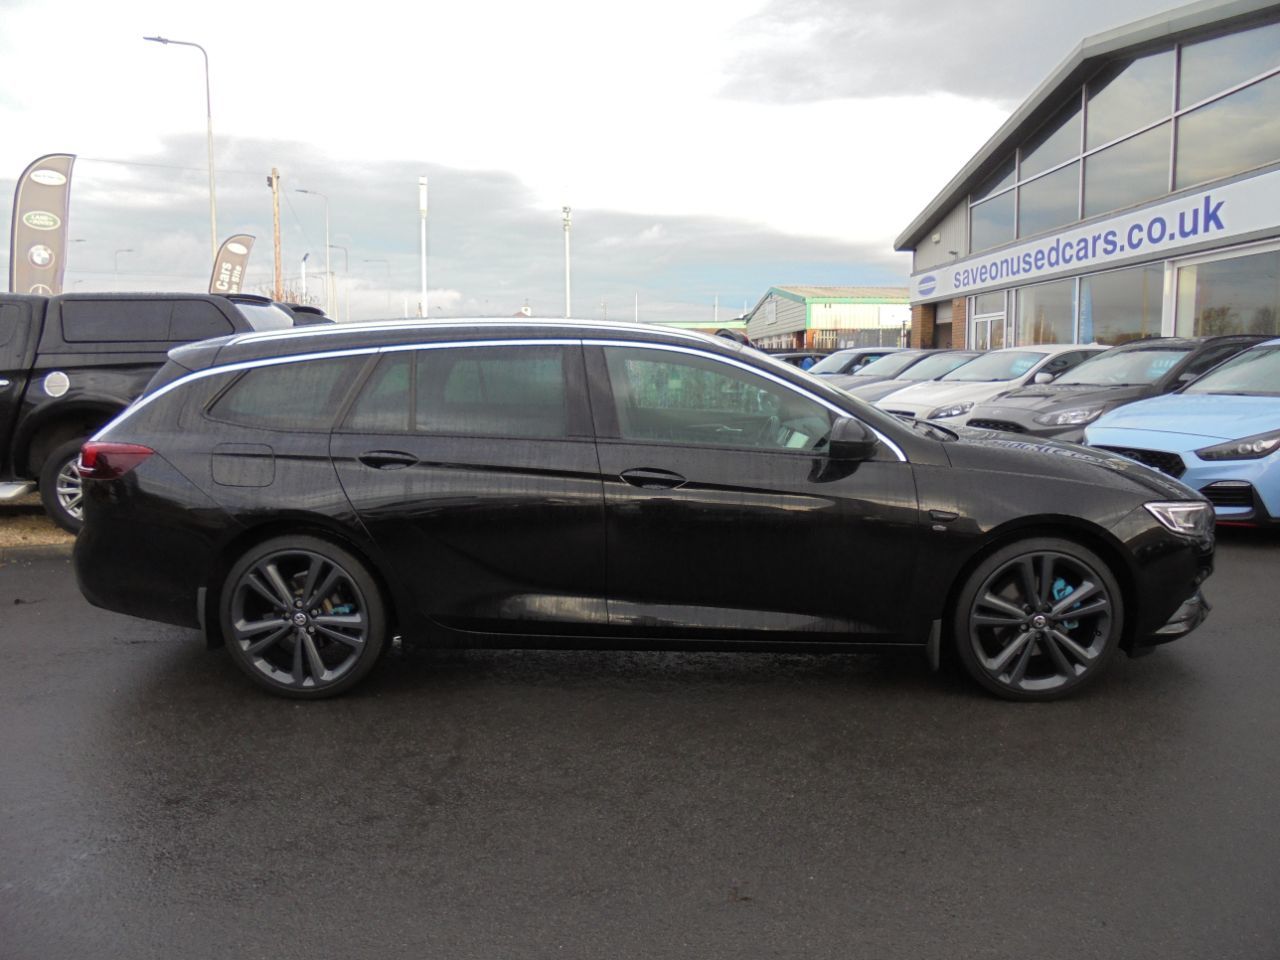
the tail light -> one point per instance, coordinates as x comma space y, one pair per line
109, 461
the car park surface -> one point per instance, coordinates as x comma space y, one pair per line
1219, 435
1134, 371
606, 803
566, 484
952, 396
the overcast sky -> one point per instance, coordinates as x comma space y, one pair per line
707, 148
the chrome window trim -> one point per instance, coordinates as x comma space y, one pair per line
517, 342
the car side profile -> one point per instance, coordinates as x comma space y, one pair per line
300, 496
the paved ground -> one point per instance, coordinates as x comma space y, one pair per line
493, 805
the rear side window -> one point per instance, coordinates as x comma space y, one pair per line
301, 396
469, 391
151, 320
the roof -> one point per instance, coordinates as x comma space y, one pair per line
845, 293
1151, 33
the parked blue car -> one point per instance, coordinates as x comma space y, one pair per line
1219, 434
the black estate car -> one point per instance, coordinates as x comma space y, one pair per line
304, 495
1134, 371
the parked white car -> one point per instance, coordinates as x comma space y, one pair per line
950, 398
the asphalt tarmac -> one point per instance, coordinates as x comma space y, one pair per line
509, 805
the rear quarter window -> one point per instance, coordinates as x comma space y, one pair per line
301, 396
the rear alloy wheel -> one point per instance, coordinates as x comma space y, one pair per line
61, 490
1038, 619
302, 617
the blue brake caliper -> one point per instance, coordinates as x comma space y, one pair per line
1062, 590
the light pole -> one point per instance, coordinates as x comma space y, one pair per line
386, 263
304, 277
567, 214
346, 275
117, 261
208, 108
328, 293
422, 244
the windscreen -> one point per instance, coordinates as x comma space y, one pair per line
933, 367
888, 366
1127, 367
1254, 373
833, 364
1000, 365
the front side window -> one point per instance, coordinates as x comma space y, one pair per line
499, 391
300, 396
670, 397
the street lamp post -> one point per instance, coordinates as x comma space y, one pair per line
422, 244
328, 290
567, 213
304, 276
208, 107
386, 263
346, 277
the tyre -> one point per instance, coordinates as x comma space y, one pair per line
302, 617
60, 487
1038, 619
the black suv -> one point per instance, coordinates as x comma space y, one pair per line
1145, 368
70, 363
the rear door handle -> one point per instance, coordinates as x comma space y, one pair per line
387, 459
651, 478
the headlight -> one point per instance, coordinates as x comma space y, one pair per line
951, 410
1190, 518
1073, 417
1250, 448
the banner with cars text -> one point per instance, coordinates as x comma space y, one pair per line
230, 264
38, 239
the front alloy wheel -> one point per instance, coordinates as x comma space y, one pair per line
1038, 619
302, 617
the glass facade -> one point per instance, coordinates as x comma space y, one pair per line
1046, 313
1121, 305
1235, 295
1120, 126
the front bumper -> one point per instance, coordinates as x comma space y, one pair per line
1186, 618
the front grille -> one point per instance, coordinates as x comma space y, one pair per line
1008, 426
1236, 494
1169, 463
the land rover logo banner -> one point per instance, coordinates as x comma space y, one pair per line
229, 267
38, 240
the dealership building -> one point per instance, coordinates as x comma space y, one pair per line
1135, 193
828, 318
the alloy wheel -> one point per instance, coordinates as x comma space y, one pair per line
70, 490
299, 618
1041, 621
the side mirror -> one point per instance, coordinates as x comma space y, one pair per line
1043, 377
851, 440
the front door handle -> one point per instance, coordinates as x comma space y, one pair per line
387, 459
651, 478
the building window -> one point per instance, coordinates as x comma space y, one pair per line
1128, 173
1128, 96
1235, 295
1056, 142
1050, 201
1121, 305
1211, 66
1046, 313
991, 222
1235, 133
1002, 179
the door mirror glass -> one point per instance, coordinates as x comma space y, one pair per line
1043, 377
851, 440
